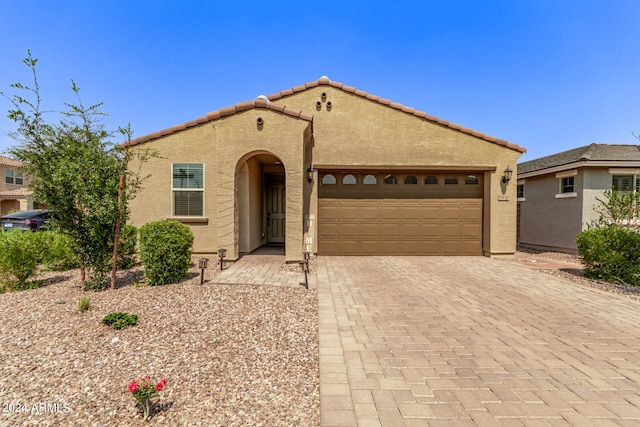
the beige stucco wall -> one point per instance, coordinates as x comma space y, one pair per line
223, 146
354, 132
154, 202
240, 138
359, 132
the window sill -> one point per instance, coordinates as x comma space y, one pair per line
521, 199
566, 195
190, 220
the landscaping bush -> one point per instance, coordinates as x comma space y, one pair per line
165, 251
20, 254
127, 248
611, 253
60, 255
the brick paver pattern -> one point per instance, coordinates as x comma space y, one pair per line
452, 341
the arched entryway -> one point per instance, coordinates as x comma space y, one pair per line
260, 195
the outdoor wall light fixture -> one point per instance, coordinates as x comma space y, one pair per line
507, 175
202, 265
221, 254
310, 172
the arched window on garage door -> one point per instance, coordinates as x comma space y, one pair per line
348, 179
431, 179
328, 179
370, 180
390, 180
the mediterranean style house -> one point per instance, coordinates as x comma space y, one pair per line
14, 194
326, 168
557, 194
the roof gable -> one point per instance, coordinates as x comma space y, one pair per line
324, 81
267, 103
587, 153
260, 102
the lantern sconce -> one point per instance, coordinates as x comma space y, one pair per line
310, 173
507, 175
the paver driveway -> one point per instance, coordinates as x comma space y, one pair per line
452, 341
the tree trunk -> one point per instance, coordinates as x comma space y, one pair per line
116, 243
83, 277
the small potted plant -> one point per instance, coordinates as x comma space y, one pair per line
143, 391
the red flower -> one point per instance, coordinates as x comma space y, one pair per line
133, 386
161, 384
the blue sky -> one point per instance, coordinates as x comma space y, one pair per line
548, 75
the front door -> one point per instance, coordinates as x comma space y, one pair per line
275, 209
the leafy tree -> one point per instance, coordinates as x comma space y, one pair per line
75, 168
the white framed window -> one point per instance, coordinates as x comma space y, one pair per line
622, 183
567, 185
13, 177
188, 189
520, 191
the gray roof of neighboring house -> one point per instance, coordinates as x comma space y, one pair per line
593, 152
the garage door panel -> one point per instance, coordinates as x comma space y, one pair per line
400, 227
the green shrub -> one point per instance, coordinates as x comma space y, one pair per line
611, 253
127, 248
165, 251
119, 320
61, 255
20, 254
83, 304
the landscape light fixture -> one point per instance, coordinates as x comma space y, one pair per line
507, 175
221, 254
305, 267
202, 265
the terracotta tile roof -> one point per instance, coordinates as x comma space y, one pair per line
264, 102
324, 81
8, 161
18, 192
259, 102
592, 152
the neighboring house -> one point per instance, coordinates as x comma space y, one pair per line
557, 194
14, 194
329, 169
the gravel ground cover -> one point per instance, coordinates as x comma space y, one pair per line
232, 355
576, 276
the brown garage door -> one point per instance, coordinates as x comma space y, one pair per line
406, 218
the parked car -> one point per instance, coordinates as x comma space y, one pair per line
32, 220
